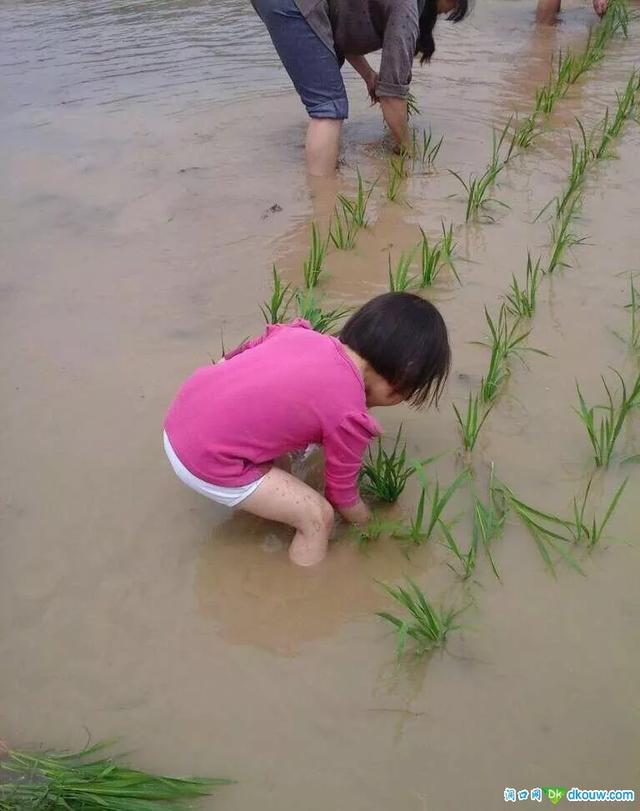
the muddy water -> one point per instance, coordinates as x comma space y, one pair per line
143, 146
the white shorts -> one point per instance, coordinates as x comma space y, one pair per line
229, 496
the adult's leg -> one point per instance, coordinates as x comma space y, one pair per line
281, 497
315, 72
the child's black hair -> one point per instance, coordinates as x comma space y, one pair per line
425, 45
404, 339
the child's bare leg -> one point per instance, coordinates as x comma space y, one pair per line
282, 497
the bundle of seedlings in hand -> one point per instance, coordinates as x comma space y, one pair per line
343, 230
89, 781
321, 320
426, 625
506, 342
412, 106
473, 420
547, 530
396, 173
521, 301
604, 429
384, 475
416, 532
426, 149
400, 280
314, 264
355, 210
276, 308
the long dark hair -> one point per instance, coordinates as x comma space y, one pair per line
404, 339
425, 46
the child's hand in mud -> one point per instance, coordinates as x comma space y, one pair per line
600, 7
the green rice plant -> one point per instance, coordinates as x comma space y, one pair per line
400, 278
396, 173
521, 301
426, 149
427, 626
488, 524
448, 247
626, 108
506, 341
557, 85
634, 313
548, 531
342, 230
311, 310
604, 422
591, 533
313, 265
90, 781
412, 106
416, 531
473, 420
524, 133
562, 239
430, 260
372, 531
384, 474
477, 189
355, 209
276, 308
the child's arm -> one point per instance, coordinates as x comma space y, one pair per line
343, 450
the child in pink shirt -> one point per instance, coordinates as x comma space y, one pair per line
292, 387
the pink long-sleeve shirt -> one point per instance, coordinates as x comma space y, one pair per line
275, 394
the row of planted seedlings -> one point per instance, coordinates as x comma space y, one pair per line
386, 473
518, 135
508, 335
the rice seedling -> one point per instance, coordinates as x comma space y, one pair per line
372, 531
412, 106
548, 531
396, 173
473, 420
557, 84
427, 626
343, 230
313, 265
591, 534
321, 320
604, 429
426, 150
477, 189
355, 209
384, 474
634, 320
562, 239
506, 341
91, 781
400, 278
416, 531
448, 247
430, 261
626, 109
525, 132
275, 309
521, 301
488, 523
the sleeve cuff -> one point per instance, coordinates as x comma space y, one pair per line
400, 91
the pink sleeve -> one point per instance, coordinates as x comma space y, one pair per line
344, 448
269, 331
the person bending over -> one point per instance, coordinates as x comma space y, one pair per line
292, 387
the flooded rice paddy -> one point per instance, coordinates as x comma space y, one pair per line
152, 170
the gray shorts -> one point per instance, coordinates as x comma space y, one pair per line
312, 67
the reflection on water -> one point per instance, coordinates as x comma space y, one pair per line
108, 52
